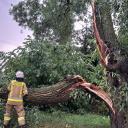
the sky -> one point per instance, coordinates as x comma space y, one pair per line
11, 35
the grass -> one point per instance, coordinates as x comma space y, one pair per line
58, 119
65, 120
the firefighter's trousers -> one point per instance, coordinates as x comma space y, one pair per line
19, 110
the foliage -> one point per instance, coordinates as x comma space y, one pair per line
123, 39
47, 63
52, 20
120, 13
83, 102
2, 79
121, 97
1, 111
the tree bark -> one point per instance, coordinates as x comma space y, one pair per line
104, 31
105, 24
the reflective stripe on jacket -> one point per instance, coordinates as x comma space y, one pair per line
16, 91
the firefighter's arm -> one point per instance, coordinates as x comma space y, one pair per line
9, 86
25, 90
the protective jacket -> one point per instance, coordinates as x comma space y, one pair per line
16, 92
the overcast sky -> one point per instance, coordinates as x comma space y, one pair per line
11, 35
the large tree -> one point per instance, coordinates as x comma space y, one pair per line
115, 64
54, 20
48, 19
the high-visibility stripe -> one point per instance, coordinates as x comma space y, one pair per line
20, 85
14, 82
21, 90
21, 118
15, 100
6, 118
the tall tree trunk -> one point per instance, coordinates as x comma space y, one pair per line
104, 26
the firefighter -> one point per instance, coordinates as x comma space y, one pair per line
17, 90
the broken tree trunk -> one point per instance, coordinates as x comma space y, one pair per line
61, 91
107, 43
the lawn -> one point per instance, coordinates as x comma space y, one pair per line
66, 120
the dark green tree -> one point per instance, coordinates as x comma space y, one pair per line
52, 20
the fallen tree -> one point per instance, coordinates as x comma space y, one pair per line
61, 91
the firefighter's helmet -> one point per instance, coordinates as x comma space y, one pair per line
19, 74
